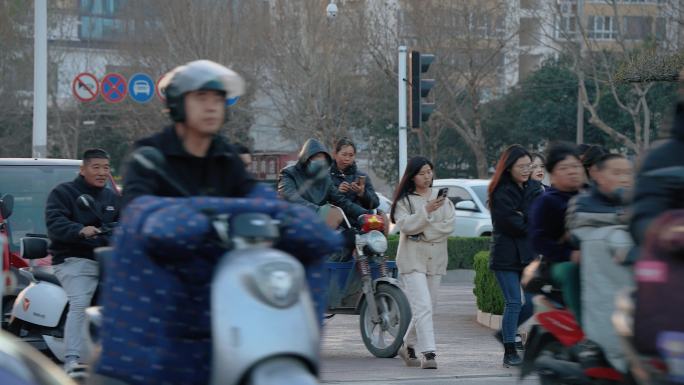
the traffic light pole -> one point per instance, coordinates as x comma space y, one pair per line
403, 114
40, 81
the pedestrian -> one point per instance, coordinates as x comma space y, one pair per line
425, 221
511, 193
538, 173
547, 232
74, 233
349, 180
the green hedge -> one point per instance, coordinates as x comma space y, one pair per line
461, 250
487, 290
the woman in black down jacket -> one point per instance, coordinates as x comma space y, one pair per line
511, 192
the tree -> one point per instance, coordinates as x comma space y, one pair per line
470, 40
16, 80
596, 62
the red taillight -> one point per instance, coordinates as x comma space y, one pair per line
370, 222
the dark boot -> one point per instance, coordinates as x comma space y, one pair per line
511, 357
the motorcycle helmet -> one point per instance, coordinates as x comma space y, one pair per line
195, 76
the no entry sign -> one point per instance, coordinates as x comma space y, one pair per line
114, 88
85, 87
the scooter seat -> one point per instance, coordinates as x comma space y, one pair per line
44, 276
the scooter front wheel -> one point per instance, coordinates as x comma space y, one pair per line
384, 338
281, 370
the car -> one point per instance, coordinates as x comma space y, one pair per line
141, 87
385, 203
386, 207
469, 196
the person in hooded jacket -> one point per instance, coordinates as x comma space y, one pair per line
511, 193
349, 180
308, 183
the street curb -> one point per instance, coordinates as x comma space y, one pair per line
492, 321
385, 380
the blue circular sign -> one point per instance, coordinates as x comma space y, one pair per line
141, 88
232, 101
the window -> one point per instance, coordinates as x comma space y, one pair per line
457, 194
601, 28
660, 29
100, 20
567, 23
637, 27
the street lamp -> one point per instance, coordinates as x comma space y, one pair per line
331, 10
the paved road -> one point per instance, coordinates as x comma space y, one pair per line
466, 351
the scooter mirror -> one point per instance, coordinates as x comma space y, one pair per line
6, 205
85, 201
149, 158
34, 248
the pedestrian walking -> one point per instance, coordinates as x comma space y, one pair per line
511, 193
425, 220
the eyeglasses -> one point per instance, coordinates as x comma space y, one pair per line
525, 167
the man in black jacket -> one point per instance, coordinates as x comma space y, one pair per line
196, 157
74, 233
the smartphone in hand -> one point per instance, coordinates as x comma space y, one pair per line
361, 180
442, 193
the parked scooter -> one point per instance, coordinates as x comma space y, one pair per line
39, 311
367, 286
264, 327
22, 365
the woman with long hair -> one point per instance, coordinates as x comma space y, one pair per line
425, 220
511, 192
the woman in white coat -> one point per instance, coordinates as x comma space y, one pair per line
425, 222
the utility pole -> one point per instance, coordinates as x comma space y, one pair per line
40, 83
580, 78
403, 152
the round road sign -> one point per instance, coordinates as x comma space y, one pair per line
85, 87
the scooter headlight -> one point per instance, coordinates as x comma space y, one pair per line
279, 283
376, 241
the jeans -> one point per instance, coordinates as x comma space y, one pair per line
515, 312
421, 291
79, 277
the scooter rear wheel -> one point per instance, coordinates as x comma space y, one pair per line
384, 339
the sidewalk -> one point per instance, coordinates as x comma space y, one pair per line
465, 349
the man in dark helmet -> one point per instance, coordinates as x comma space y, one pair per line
196, 157
156, 296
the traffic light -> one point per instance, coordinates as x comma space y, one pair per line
420, 88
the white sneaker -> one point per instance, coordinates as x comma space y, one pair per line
409, 356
